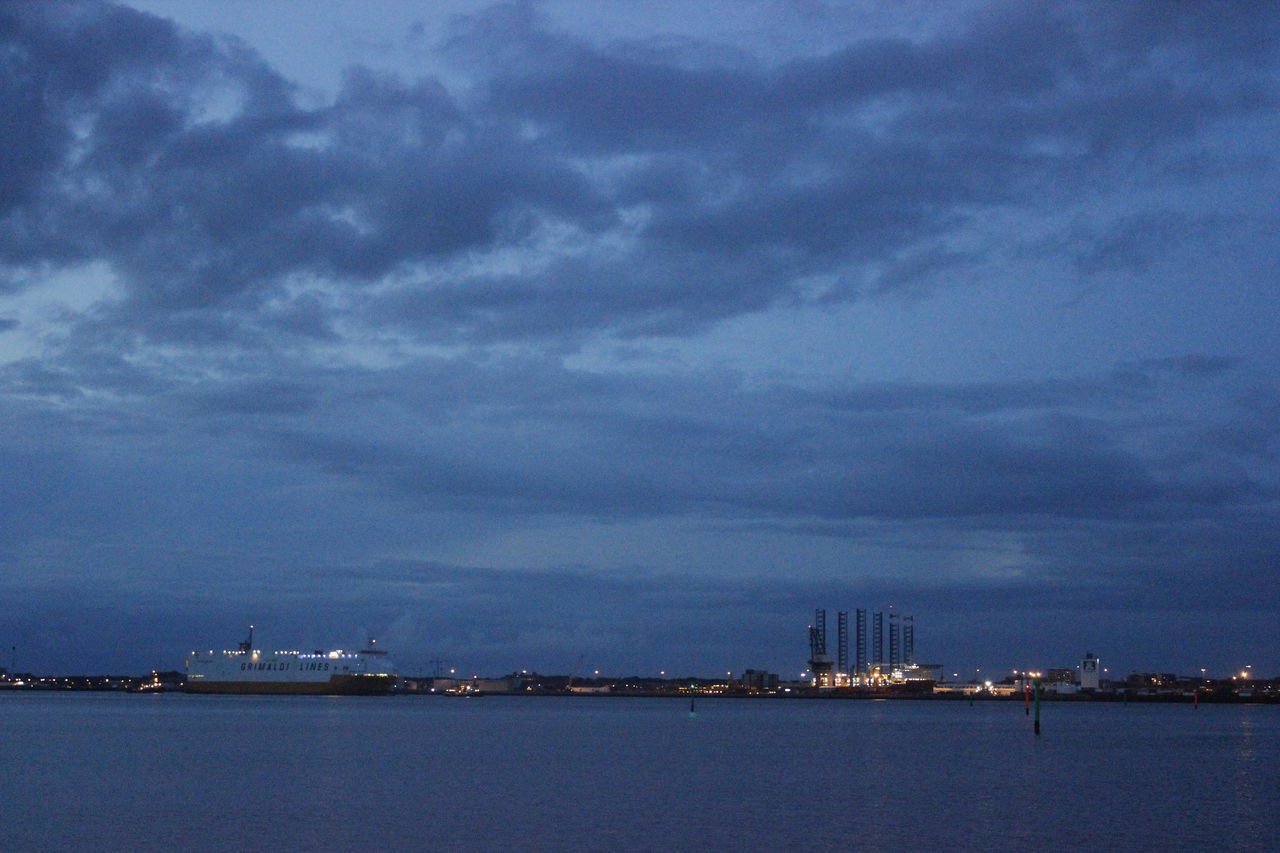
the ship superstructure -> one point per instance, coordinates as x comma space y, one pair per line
250, 670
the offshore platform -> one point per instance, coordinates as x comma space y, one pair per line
870, 666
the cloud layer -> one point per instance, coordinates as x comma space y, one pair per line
978, 319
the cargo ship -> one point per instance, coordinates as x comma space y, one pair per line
248, 670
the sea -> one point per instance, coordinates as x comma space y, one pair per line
126, 772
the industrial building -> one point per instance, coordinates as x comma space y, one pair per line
870, 667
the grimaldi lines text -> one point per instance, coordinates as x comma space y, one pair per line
249, 670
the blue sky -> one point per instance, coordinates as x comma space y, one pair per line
519, 334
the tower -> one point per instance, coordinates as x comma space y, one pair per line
877, 637
908, 640
1089, 672
819, 660
842, 644
895, 640
860, 643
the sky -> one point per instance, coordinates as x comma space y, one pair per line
578, 335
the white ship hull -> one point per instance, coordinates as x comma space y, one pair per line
253, 671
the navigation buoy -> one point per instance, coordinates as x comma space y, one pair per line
1037, 706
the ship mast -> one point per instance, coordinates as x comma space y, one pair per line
247, 645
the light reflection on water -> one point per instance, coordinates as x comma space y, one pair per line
115, 772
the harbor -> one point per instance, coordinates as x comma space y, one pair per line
867, 673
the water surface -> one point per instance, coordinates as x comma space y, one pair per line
113, 772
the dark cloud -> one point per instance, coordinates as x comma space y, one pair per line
263, 397
202, 204
511, 439
189, 165
1196, 364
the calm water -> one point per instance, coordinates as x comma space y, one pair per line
172, 772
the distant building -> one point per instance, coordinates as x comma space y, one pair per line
758, 679
924, 671
584, 689
1089, 672
1151, 679
466, 686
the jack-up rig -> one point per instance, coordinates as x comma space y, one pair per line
876, 670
